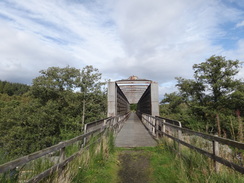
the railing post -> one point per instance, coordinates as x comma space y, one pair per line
163, 127
179, 137
84, 139
62, 154
104, 125
142, 118
216, 153
157, 127
105, 122
153, 127
149, 124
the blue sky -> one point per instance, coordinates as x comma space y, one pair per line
157, 40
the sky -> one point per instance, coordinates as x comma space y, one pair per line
152, 39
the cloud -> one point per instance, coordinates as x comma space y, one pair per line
240, 24
164, 39
156, 40
22, 56
44, 34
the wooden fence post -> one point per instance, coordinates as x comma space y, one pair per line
216, 153
163, 126
157, 127
179, 137
84, 139
62, 154
153, 127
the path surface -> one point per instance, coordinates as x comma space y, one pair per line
135, 167
134, 134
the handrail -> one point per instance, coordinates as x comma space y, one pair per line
229, 142
156, 126
23, 160
62, 145
208, 154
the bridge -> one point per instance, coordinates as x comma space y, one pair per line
142, 93
138, 128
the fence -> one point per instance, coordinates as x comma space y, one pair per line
91, 129
217, 148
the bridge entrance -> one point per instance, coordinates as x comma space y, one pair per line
123, 93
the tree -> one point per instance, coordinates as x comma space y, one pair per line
191, 90
51, 111
54, 81
174, 100
213, 94
217, 76
89, 83
60, 84
13, 88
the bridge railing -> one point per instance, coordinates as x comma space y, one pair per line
94, 128
220, 150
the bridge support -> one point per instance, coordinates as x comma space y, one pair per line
148, 102
154, 99
117, 101
112, 99
122, 93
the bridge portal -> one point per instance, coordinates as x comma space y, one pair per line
133, 90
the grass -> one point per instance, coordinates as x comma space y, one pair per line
99, 164
165, 166
102, 163
191, 166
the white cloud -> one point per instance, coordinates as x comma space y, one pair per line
22, 56
157, 40
53, 33
240, 24
164, 39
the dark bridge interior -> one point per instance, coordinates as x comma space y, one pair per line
142, 92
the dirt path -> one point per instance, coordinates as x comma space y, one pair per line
135, 167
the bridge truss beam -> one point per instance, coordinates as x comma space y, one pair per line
122, 93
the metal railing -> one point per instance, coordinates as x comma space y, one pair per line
206, 144
94, 128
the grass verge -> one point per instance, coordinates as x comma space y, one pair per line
153, 165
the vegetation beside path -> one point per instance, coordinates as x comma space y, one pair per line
154, 165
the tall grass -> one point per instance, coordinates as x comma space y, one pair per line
94, 156
97, 164
190, 166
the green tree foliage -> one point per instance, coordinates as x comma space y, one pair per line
53, 82
217, 76
51, 111
89, 84
211, 99
13, 88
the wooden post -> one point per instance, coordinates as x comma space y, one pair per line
216, 153
163, 126
104, 122
218, 125
62, 154
240, 126
179, 137
157, 127
144, 118
84, 139
153, 127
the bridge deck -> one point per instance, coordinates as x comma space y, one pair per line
134, 134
